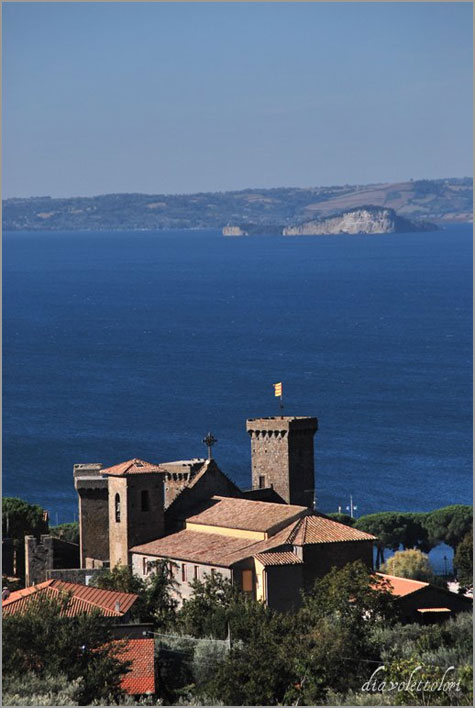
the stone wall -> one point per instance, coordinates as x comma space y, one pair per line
137, 522
92, 489
266, 495
118, 522
45, 555
73, 575
183, 572
284, 583
320, 558
8, 553
178, 475
210, 481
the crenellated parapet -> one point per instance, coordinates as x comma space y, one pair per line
262, 434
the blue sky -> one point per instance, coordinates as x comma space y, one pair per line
187, 97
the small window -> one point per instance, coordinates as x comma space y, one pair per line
262, 482
144, 567
247, 580
144, 500
117, 507
196, 572
183, 572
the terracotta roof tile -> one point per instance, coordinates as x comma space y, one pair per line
402, 586
135, 466
84, 598
315, 528
247, 514
220, 550
194, 546
140, 678
278, 558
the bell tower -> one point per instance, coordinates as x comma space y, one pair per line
136, 507
283, 456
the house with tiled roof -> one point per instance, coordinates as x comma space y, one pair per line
419, 601
109, 603
268, 540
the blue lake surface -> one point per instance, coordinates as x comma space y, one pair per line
120, 345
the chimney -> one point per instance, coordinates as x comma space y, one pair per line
117, 606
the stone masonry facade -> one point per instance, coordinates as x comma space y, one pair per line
283, 457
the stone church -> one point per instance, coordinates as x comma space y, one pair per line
267, 540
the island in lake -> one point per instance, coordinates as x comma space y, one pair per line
360, 220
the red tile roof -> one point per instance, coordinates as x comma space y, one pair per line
247, 514
195, 546
83, 598
220, 550
402, 586
319, 529
314, 528
278, 558
140, 678
135, 466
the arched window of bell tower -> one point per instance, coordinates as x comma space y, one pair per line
117, 507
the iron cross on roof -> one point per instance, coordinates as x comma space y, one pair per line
209, 440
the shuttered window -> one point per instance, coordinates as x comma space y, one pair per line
247, 581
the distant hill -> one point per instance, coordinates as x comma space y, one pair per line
443, 200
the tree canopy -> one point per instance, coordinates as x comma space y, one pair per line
20, 519
395, 529
342, 518
410, 564
156, 602
43, 640
419, 530
67, 532
449, 524
463, 560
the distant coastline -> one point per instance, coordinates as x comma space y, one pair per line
437, 201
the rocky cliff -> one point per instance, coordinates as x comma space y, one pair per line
234, 231
363, 220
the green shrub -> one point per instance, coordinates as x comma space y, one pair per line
67, 532
409, 564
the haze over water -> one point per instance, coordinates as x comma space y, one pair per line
120, 345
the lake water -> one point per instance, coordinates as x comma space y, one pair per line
120, 345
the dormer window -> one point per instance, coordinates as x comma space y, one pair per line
117, 507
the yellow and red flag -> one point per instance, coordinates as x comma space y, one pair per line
278, 389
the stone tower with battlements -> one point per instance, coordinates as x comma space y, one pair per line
283, 457
91, 487
136, 507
